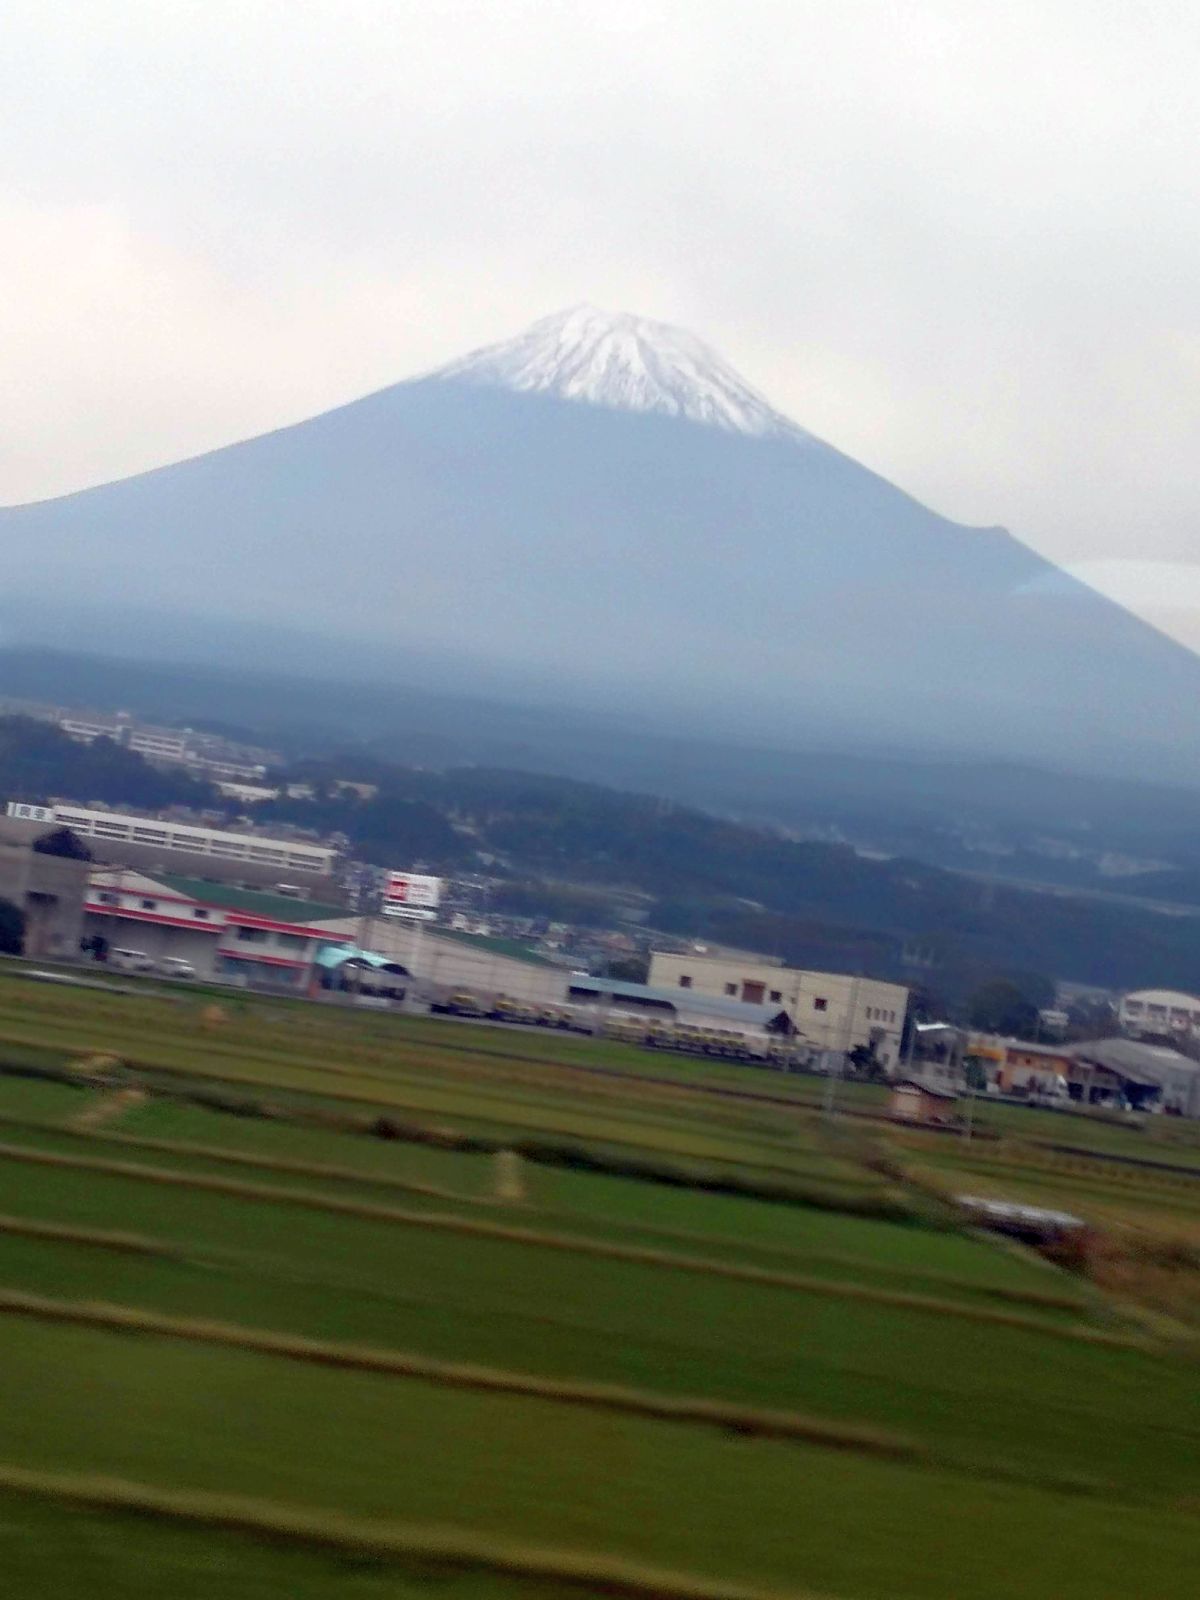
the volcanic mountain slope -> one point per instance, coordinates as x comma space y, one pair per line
602, 501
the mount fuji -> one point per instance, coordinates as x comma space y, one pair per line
601, 511
627, 363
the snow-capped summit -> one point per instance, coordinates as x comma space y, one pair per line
629, 363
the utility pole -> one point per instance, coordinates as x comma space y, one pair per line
970, 1091
835, 1075
416, 947
912, 1039
367, 895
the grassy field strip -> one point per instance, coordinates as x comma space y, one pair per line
400, 1037
1120, 1160
385, 1037
607, 1081
511, 1132
223, 1154
695, 1075
403, 1062
101, 1238
796, 1282
549, 1072
1149, 1208
1103, 1180
1077, 1192
1046, 1299
77, 1129
354, 1536
1100, 1170
376, 1066
698, 1074
393, 1067
394, 1074
677, 1138
606, 1056
239, 1158
677, 1143
65, 1549
851, 1266
50, 1097
751, 1421
851, 1191
208, 1418
845, 1375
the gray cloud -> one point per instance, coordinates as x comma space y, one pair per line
957, 239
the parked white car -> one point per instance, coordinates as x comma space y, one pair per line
129, 960
176, 967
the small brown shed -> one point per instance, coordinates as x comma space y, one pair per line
915, 1101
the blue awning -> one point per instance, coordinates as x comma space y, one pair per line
337, 955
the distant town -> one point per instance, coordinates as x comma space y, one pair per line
285, 908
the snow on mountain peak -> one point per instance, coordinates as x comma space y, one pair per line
625, 362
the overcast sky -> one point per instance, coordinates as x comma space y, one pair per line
958, 238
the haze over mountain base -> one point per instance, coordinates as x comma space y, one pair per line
547, 520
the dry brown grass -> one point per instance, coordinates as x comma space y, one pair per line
1137, 1267
104, 1109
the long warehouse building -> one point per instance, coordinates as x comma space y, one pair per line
831, 1011
271, 941
150, 843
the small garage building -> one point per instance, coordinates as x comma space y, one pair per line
914, 1101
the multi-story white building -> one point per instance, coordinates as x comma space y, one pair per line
119, 839
832, 1011
234, 934
1158, 1014
206, 754
229, 933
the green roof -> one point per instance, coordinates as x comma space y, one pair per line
512, 948
257, 902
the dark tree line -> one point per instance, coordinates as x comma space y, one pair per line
574, 850
38, 760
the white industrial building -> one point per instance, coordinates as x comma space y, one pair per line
267, 940
830, 1011
1148, 1076
1158, 1014
208, 754
601, 998
227, 933
152, 844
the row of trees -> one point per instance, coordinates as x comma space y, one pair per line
38, 760
813, 904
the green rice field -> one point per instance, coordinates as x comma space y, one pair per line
304, 1303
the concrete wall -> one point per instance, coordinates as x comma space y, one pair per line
438, 961
190, 944
833, 1011
153, 858
48, 890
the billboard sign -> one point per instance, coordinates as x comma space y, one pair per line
28, 813
409, 893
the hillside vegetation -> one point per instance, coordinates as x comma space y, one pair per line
815, 904
582, 852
